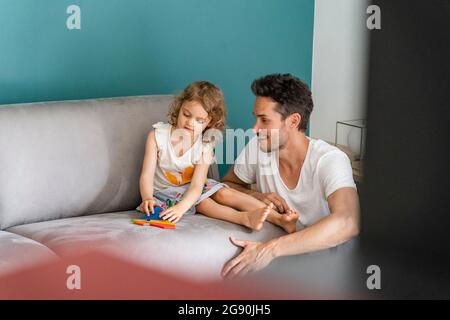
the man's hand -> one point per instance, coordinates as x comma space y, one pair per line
173, 214
254, 257
280, 204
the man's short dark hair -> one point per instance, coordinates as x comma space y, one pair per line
291, 94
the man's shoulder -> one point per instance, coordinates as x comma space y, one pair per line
321, 149
332, 166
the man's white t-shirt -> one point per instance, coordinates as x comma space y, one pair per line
325, 170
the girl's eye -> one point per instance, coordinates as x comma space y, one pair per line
186, 115
201, 121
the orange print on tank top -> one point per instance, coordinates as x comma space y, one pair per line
180, 178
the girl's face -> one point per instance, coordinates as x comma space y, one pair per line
193, 118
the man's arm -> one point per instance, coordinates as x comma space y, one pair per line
341, 225
232, 180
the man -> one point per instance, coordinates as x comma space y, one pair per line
305, 176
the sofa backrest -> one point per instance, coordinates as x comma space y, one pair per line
71, 158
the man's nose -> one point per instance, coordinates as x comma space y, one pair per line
255, 129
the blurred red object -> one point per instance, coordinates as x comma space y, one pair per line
104, 276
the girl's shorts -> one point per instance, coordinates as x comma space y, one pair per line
171, 196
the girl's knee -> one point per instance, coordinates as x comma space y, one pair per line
203, 204
224, 193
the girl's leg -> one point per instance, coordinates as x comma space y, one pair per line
242, 201
252, 219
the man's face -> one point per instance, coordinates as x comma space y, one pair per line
270, 128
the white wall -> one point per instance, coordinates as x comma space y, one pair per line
339, 72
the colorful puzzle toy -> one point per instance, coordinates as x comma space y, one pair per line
155, 223
154, 220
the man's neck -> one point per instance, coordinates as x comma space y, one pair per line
295, 150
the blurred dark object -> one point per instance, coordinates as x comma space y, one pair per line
405, 209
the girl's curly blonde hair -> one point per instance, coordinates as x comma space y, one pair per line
209, 96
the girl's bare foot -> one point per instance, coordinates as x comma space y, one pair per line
255, 219
288, 221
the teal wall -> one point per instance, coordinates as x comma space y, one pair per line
139, 47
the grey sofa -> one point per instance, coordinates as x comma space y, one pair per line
69, 182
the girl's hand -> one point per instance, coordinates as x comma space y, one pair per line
147, 206
173, 214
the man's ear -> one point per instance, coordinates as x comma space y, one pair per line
294, 120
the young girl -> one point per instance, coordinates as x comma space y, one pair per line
176, 163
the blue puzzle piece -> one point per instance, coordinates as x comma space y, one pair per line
153, 216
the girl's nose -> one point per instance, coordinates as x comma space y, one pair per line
197, 127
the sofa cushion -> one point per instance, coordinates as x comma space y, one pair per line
197, 248
18, 253
72, 158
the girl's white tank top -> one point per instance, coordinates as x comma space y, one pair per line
172, 170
